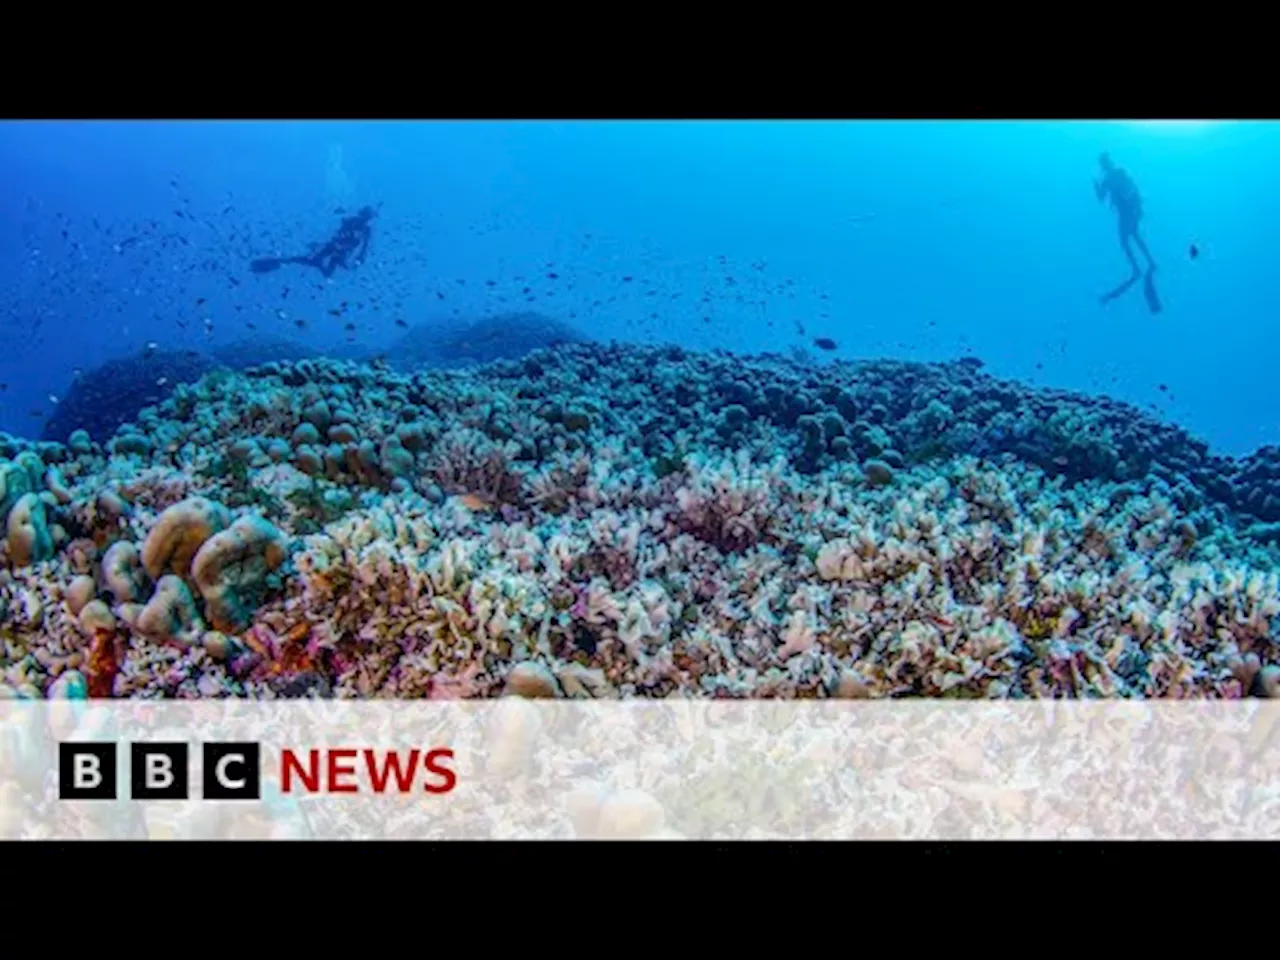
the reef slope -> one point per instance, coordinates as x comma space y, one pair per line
608, 521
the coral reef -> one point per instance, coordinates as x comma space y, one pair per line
596, 521
507, 336
102, 399
245, 353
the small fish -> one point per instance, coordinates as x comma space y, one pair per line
53, 399
473, 501
401, 323
1162, 387
300, 323
824, 343
152, 346
1194, 251
349, 327
162, 381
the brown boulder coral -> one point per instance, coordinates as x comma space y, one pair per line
122, 573
531, 680
78, 593
14, 483
96, 616
56, 485
28, 532
171, 615
232, 567
180, 532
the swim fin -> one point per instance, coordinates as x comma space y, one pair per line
1149, 291
1118, 291
265, 265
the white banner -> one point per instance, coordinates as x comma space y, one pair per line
667, 769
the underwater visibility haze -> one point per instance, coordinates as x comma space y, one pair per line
638, 409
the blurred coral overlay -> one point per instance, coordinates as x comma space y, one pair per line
518, 767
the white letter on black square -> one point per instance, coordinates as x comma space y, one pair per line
86, 771
232, 771
158, 771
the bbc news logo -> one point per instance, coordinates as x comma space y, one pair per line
159, 771
233, 771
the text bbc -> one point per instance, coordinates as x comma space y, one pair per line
233, 771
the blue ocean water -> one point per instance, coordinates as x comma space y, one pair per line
910, 240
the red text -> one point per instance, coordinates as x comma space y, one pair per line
339, 770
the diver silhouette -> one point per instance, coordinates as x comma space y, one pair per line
1118, 187
352, 237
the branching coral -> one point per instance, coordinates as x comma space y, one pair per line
732, 505
465, 461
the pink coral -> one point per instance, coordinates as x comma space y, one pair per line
467, 462
732, 506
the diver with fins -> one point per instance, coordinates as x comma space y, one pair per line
1118, 187
351, 238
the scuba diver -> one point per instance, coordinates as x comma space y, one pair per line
352, 237
1118, 187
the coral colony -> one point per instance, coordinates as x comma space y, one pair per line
597, 521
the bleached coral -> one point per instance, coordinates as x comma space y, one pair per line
466, 535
